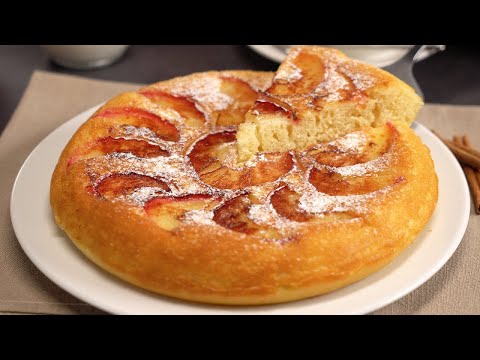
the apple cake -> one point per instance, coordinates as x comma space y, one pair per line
244, 187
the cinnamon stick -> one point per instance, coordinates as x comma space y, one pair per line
469, 149
456, 140
464, 154
473, 177
466, 141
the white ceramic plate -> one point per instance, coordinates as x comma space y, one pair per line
378, 55
54, 254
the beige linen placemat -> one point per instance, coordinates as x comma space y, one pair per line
51, 99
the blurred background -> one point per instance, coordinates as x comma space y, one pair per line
450, 77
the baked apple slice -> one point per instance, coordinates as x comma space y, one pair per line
236, 215
354, 148
344, 170
243, 97
141, 118
285, 202
331, 182
109, 145
214, 159
233, 215
301, 75
117, 185
168, 211
184, 106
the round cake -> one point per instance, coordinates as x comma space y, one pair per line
156, 187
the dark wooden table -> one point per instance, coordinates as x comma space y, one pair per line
450, 77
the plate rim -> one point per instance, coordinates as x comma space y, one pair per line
420, 280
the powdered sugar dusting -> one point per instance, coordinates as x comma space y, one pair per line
137, 133
205, 91
266, 215
360, 79
288, 73
256, 159
262, 214
200, 217
318, 203
351, 142
333, 86
369, 167
262, 192
141, 195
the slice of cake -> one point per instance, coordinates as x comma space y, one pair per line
319, 94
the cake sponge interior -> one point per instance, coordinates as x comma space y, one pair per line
318, 95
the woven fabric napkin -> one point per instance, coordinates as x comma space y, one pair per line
51, 99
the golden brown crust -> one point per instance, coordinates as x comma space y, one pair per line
206, 262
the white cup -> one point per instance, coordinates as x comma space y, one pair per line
84, 56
